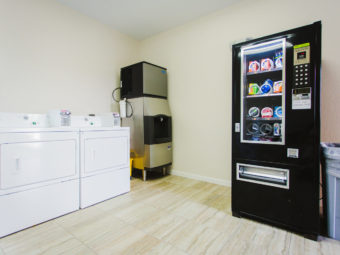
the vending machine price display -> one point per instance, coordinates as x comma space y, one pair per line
301, 55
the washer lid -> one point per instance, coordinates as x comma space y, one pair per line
89, 129
30, 130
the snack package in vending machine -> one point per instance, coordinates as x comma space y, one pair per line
277, 112
267, 112
254, 66
254, 112
267, 87
278, 59
254, 89
267, 64
277, 129
277, 87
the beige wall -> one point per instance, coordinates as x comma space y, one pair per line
198, 58
52, 57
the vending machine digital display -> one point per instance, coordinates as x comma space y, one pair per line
276, 129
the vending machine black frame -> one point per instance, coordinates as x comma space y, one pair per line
295, 208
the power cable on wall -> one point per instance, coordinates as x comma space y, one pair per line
117, 101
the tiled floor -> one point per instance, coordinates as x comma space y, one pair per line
170, 215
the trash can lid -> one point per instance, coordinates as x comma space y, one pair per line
331, 150
334, 173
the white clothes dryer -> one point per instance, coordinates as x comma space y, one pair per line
104, 163
39, 173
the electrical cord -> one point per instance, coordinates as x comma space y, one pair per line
113, 94
117, 101
129, 116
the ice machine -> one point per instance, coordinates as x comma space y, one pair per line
145, 87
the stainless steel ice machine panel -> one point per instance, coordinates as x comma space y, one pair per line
143, 79
154, 80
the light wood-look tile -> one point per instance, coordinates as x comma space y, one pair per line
170, 215
164, 249
47, 238
2, 251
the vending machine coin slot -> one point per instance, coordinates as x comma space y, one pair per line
301, 98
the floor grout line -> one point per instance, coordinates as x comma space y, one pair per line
78, 239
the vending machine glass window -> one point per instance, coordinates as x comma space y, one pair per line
263, 93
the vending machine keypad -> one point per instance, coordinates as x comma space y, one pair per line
302, 65
302, 91
301, 75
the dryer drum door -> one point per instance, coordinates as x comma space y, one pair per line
36, 161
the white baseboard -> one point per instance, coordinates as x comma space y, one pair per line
201, 178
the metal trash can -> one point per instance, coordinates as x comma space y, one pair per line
331, 153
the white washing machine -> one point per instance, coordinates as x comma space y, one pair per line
39, 171
104, 163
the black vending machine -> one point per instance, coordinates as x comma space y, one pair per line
276, 129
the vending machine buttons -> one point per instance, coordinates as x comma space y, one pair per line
301, 75
301, 65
